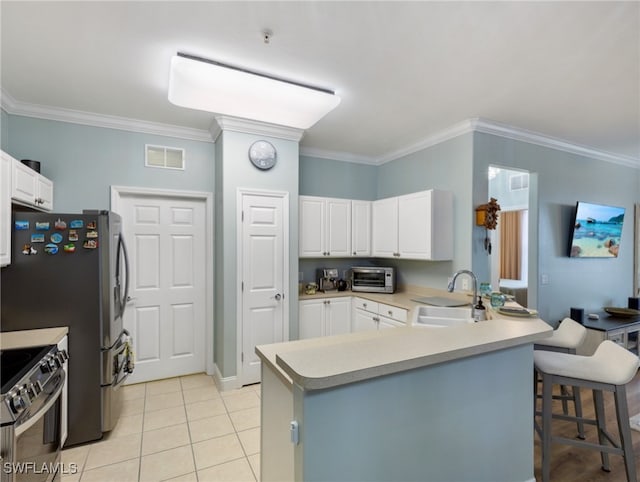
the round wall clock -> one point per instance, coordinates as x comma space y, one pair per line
263, 155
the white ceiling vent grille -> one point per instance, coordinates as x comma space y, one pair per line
517, 182
163, 157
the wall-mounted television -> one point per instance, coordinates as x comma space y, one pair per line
596, 231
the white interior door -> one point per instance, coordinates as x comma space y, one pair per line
166, 313
264, 301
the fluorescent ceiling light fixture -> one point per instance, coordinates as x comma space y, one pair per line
211, 86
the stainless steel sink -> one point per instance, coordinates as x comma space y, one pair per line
442, 317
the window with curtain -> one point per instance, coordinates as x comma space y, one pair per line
510, 244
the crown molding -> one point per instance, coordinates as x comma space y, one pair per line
14, 107
246, 126
337, 156
503, 130
463, 127
477, 124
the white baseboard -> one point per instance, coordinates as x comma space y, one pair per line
224, 384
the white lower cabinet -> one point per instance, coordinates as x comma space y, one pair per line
334, 316
324, 317
369, 315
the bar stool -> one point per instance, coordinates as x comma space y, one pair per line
610, 368
565, 339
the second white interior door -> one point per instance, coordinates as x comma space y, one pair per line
166, 314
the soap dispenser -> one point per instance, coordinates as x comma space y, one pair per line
479, 311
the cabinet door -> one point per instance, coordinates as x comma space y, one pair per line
45, 193
338, 316
384, 227
24, 187
311, 318
311, 315
364, 321
388, 323
5, 209
361, 228
414, 225
338, 227
312, 227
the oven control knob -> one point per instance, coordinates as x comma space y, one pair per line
18, 404
34, 389
44, 366
60, 357
64, 354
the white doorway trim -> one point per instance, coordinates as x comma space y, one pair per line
117, 192
285, 281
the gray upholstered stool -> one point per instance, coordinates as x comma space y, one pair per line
565, 339
610, 368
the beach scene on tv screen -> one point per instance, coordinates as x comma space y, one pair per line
597, 231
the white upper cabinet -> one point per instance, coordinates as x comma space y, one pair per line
361, 228
5, 209
414, 226
384, 228
325, 227
29, 188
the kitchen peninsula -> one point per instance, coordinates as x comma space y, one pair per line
413, 403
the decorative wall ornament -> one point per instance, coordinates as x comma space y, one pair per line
487, 216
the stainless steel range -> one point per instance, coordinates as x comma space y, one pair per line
30, 413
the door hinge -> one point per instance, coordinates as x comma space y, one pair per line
242, 216
242, 286
242, 357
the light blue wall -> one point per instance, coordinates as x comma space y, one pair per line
329, 178
444, 166
445, 422
4, 130
558, 180
234, 171
85, 161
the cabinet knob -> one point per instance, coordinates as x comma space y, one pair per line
354, 253
390, 312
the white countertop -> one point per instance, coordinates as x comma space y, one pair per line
326, 362
28, 338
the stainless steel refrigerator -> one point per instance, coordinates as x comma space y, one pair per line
72, 270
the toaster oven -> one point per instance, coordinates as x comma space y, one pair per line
373, 279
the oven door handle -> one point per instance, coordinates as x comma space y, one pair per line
44, 408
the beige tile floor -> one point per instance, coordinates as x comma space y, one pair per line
178, 429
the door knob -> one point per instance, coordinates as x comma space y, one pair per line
277, 297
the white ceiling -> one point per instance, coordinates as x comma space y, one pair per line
404, 70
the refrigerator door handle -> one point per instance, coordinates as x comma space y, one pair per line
123, 333
122, 247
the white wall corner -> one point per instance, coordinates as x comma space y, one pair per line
225, 384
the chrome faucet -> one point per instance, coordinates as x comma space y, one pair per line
479, 313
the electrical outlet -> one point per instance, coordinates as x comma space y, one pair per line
465, 284
544, 279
